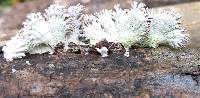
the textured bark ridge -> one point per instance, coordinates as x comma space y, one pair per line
159, 73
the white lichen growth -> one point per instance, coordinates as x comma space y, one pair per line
103, 51
126, 26
75, 22
42, 33
137, 26
165, 29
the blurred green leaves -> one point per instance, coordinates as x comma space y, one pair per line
5, 2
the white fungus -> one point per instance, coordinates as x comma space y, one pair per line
137, 26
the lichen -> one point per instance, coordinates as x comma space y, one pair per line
165, 29
137, 26
41, 33
126, 26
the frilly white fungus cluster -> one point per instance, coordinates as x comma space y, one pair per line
137, 26
165, 29
43, 32
126, 26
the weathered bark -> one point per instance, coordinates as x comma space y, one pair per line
146, 73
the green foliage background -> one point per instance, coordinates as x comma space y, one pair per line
9, 2
5, 2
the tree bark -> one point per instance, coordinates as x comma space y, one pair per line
146, 73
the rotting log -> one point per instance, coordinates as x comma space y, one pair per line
159, 73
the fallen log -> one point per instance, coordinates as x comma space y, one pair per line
161, 72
